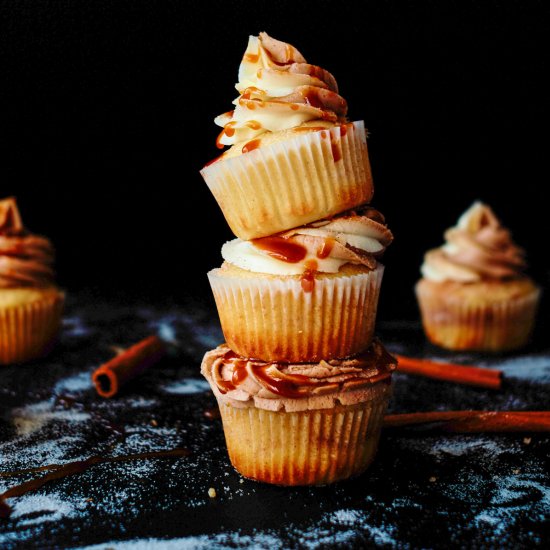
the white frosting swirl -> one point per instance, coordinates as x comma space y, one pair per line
279, 91
323, 246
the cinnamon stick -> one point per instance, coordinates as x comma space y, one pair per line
473, 421
111, 376
459, 374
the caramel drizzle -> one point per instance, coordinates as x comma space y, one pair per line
292, 385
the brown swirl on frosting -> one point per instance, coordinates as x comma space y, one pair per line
478, 247
26, 260
243, 379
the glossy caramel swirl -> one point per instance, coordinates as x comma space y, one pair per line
26, 260
477, 248
277, 385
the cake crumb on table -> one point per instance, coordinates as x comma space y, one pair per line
212, 492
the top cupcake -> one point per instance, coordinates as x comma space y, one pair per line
293, 157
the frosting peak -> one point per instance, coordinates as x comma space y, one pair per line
478, 247
26, 260
278, 90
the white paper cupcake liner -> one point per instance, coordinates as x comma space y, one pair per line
303, 448
462, 325
292, 182
273, 319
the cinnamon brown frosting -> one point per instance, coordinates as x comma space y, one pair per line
278, 90
477, 248
300, 386
26, 260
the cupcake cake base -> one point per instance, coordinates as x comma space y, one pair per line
302, 423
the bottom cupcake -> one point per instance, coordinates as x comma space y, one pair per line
302, 423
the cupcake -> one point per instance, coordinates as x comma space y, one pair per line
304, 295
294, 156
473, 294
302, 423
30, 303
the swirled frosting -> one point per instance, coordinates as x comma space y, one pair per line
358, 237
278, 90
477, 248
26, 260
299, 386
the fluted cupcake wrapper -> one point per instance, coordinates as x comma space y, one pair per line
27, 330
303, 448
460, 325
292, 182
273, 319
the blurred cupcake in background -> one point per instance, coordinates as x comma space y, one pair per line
31, 304
473, 294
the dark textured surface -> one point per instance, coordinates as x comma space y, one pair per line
476, 491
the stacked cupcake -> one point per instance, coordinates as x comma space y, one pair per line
301, 382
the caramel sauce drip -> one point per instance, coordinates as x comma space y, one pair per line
308, 276
336, 148
251, 57
281, 249
60, 471
253, 124
326, 248
228, 130
251, 145
239, 373
284, 388
249, 91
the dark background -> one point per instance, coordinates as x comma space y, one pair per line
107, 117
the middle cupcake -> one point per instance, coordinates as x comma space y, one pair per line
307, 294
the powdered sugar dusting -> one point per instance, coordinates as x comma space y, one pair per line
32, 418
203, 542
187, 386
77, 383
31, 509
529, 367
442, 447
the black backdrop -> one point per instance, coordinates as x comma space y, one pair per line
107, 114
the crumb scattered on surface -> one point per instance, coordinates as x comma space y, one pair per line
212, 492
527, 440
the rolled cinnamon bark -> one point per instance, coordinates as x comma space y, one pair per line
111, 376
